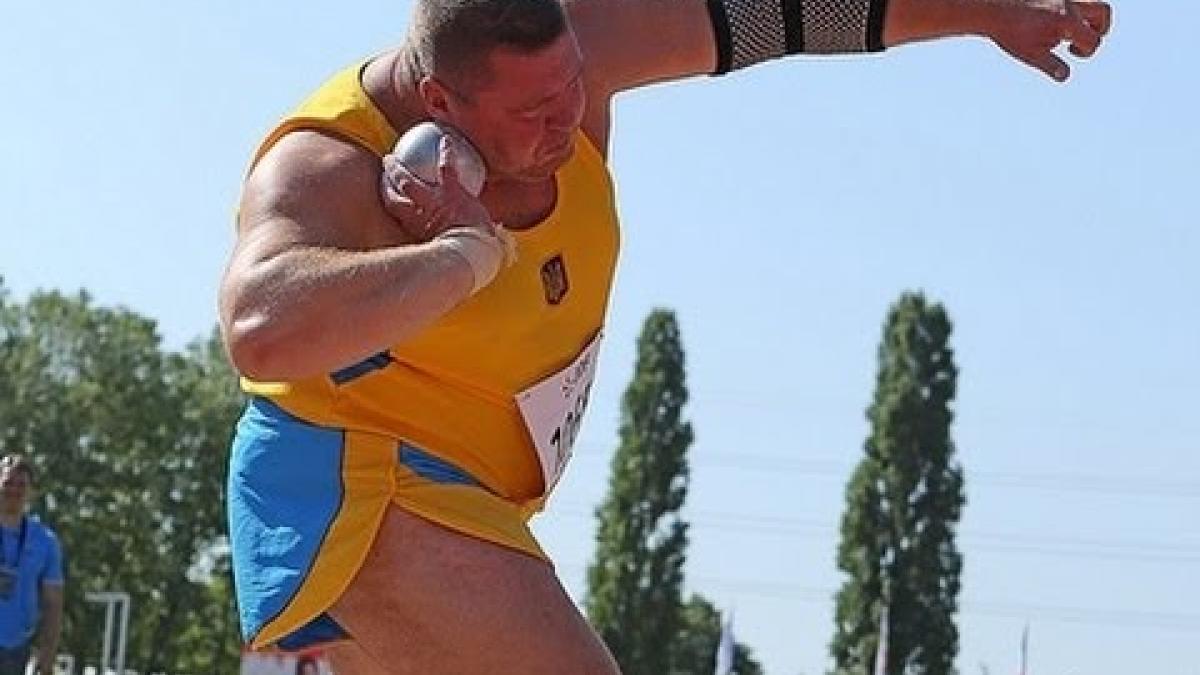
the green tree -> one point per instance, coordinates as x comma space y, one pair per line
210, 640
634, 584
699, 636
189, 506
903, 503
129, 443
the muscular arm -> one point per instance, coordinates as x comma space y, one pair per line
321, 277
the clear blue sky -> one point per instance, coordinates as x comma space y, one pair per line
779, 211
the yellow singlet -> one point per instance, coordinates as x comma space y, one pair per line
453, 389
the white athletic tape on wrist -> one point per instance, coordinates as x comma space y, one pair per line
485, 252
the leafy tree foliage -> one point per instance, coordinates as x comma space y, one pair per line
903, 503
696, 648
634, 585
129, 443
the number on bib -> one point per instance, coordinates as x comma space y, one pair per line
553, 411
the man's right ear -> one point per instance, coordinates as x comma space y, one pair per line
435, 97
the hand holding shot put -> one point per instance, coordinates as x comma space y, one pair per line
446, 165
430, 184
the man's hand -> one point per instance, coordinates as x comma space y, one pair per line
1031, 30
425, 210
448, 211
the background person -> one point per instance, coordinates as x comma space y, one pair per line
31, 578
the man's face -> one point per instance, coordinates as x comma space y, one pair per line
15, 490
524, 115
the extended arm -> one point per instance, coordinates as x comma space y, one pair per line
636, 42
1028, 30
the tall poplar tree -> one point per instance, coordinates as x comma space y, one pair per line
634, 584
903, 503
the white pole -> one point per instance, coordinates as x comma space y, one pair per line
881, 651
124, 634
108, 630
114, 601
1025, 649
725, 647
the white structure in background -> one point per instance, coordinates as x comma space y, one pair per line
1025, 649
881, 654
114, 602
725, 649
283, 664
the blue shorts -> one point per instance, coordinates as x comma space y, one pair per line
306, 502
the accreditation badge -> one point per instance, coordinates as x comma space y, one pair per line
8, 582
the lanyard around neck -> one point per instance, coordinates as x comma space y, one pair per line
20, 544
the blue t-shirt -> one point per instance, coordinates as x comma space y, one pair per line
38, 561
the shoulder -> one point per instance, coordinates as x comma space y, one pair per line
324, 186
632, 43
628, 44
307, 160
42, 534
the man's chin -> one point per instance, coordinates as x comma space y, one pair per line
553, 161
563, 154
538, 174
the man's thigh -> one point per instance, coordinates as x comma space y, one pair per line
429, 600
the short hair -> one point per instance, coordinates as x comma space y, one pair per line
18, 463
451, 39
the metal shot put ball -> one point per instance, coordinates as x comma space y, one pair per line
417, 150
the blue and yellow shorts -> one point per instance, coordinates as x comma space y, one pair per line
306, 502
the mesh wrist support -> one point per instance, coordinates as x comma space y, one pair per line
752, 31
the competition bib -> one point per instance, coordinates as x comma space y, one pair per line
553, 410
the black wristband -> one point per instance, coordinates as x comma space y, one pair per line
875, 18
751, 31
720, 23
